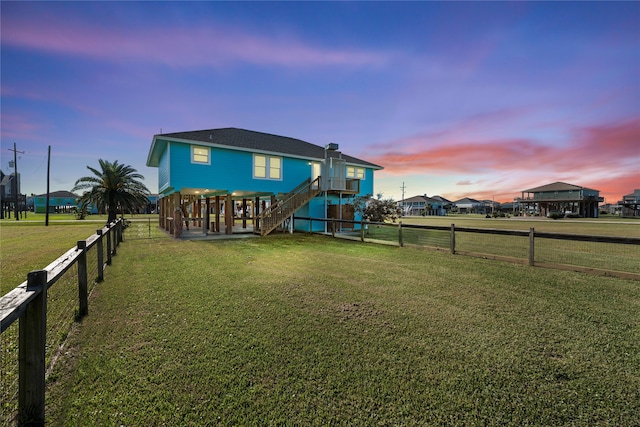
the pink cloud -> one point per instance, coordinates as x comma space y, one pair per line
462, 157
605, 157
22, 126
592, 146
178, 46
614, 188
611, 141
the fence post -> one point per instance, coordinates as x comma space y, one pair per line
531, 246
400, 242
120, 231
109, 249
310, 225
31, 353
100, 256
333, 228
362, 231
83, 296
452, 240
114, 236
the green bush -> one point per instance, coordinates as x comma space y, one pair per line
555, 215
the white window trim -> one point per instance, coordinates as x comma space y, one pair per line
208, 162
268, 158
355, 172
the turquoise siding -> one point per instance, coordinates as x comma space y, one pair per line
163, 169
366, 184
232, 170
39, 203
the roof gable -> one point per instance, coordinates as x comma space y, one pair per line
255, 141
466, 200
557, 186
419, 198
441, 199
60, 194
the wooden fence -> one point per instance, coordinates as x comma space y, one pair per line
36, 341
603, 255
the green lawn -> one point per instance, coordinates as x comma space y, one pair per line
306, 330
607, 257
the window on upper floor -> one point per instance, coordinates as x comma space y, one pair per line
267, 167
200, 155
354, 172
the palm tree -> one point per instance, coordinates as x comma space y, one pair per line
115, 186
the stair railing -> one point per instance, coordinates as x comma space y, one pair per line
283, 208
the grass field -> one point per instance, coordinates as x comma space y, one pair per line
608, 258
603, 226
306, 330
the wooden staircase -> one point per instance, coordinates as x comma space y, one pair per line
284, 207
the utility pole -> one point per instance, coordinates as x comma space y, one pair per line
15, 177
403, 203
46, 221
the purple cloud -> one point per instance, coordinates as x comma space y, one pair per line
213, 46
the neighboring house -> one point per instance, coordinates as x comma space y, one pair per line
423, 205
226, 175
630, 204
513, 208
9, 188
67, 202
611, 209
469, 205
562, 198
490, 206
152, 204
59, 201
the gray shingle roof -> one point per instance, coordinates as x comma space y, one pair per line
60, 194
251, 140
467, 200
557, 186
441, 199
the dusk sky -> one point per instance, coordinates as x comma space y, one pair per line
478, 99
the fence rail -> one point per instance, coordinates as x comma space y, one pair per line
144, 228
36, 317
608, 255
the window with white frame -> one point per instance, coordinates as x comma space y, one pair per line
267, 167
354, 172
200, 155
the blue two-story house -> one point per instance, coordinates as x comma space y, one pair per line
231, 176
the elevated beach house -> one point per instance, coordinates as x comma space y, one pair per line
228, 180
561, 198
